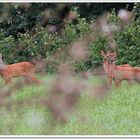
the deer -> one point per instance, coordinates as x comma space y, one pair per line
121, 72
108, 67
20, 69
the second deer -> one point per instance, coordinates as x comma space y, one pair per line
21, 69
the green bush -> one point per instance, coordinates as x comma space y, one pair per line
95, 48
27, 46
7, 48
129, 45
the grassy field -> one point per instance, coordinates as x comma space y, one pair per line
116, 114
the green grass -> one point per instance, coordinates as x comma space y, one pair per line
116, 114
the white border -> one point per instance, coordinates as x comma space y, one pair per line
72, 136
71, 1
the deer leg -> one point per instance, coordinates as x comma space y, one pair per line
7, 81
110, 81
117, 83
26, 79
32, 78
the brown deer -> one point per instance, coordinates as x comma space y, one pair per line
21, 69
120, 73
107, 58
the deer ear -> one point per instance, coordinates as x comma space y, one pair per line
102, 53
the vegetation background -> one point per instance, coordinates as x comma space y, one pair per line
30, 30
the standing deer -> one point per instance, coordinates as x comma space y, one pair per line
21, 69
108, 68
120, 73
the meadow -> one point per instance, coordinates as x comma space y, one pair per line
117, 113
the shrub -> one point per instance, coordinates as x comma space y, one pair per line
53, 47
129, 45
27, 46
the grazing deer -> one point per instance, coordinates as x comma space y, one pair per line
23, 69
120, 73
107, 58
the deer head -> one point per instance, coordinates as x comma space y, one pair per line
109, 56
104, 55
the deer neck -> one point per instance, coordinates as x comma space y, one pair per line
112, 68
109, 68
106, 67
113, 65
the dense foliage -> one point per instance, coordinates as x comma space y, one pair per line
18, 44
23, 17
